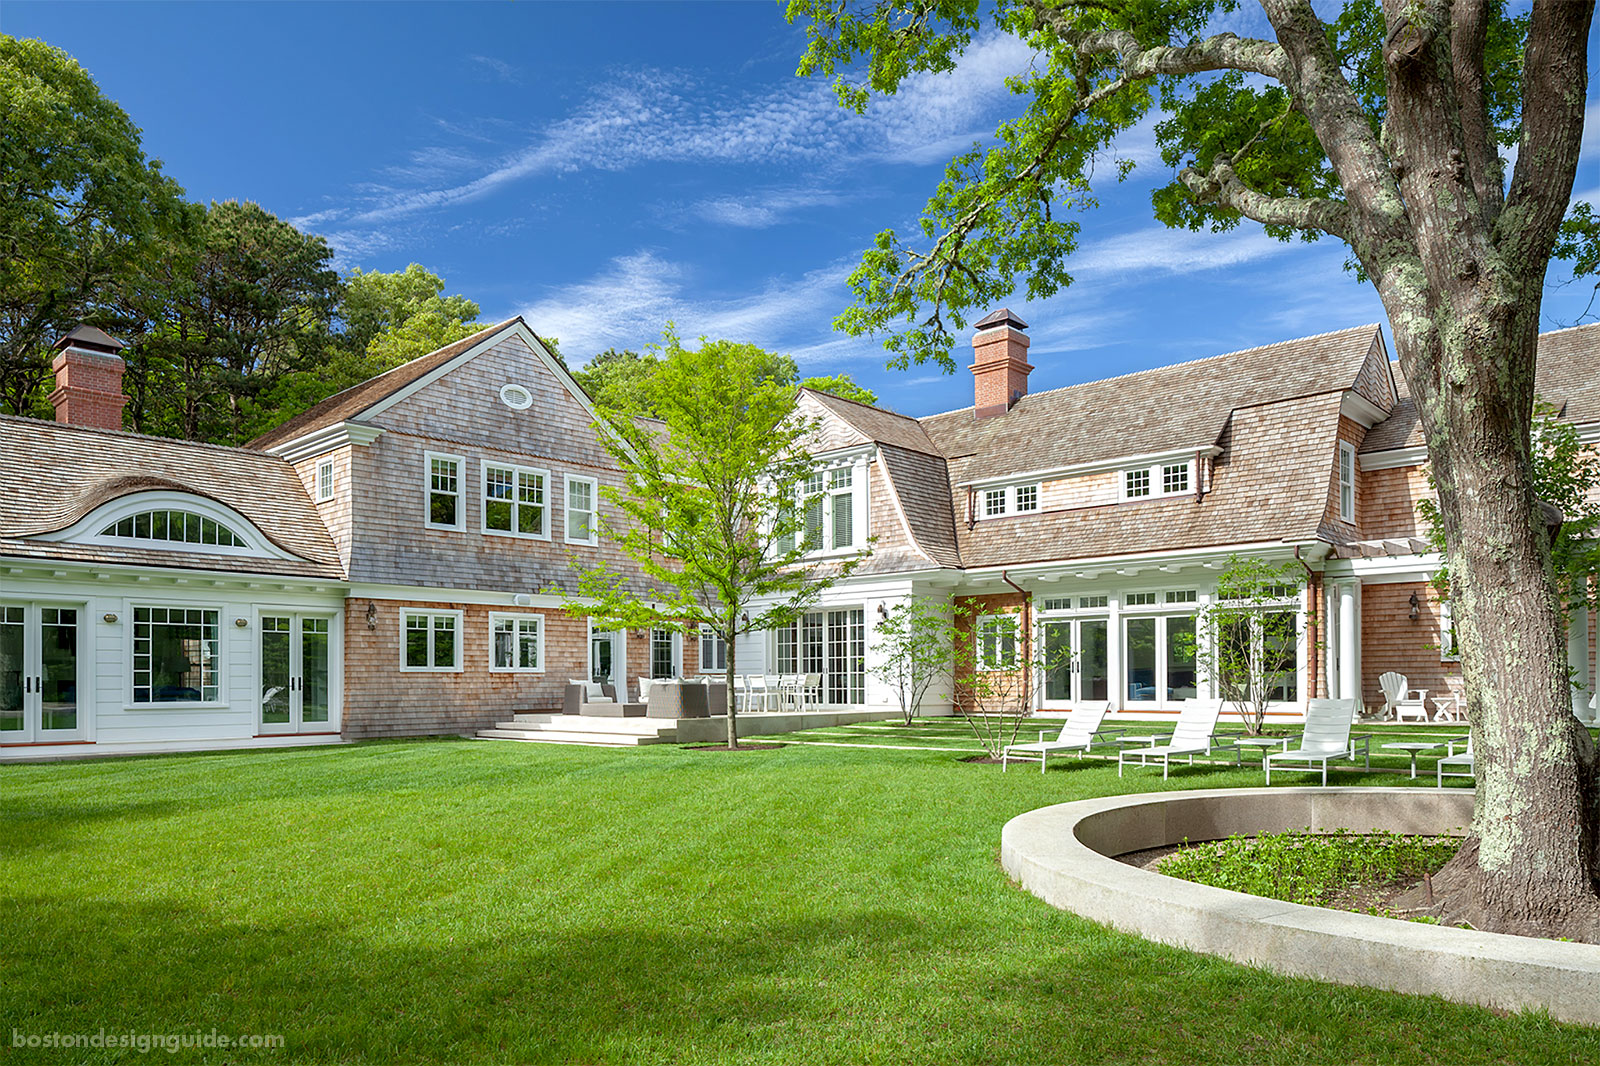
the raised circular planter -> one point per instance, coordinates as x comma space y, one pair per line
1062, 855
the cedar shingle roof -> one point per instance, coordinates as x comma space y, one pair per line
342, 406
1567, 375
876, 424
55, 474
923, 486
1157, 410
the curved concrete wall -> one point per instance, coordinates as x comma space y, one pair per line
1060, 854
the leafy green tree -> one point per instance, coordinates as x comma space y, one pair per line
996, 662
396, 317
707, 502
1246, 640
79, 203
1382, 127
913, 650
627, 377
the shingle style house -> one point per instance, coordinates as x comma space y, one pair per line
394, 561
1112, 504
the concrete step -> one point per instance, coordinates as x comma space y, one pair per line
557, 736
575, 723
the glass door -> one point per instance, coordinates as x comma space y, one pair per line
296, 674
1075, 659
39, 671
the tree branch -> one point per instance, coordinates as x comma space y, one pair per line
1222, 185
1222, 52
1469, 29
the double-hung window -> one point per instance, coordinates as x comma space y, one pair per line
841, 508
445, 510
513, 501
431, 640
516, 643
1347, 482
828, 509
325, 480
713, 652
997, 642
813, 493
582, 510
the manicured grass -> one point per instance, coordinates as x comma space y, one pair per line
460, 901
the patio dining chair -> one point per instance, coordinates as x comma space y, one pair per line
1193, 735
1326, 738
789, 692
1080, 732
811, 690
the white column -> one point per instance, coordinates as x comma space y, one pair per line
1116, 684
1349, 641
1578, 661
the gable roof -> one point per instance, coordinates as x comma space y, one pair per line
1567, 375
343, 406
1150, 411
875, 423
56, 474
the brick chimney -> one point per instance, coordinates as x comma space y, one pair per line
88, 388
1000, 363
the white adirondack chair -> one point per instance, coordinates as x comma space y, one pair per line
1079, 733
1326, 737
1400, 701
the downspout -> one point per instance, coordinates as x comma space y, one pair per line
1199, 476
1027, 640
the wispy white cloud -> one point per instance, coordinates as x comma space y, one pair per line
1161, 250
761, 209
497, 69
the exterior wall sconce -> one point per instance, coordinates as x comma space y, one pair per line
883, 612
1416, 607
744, 619
372, 615
241, 622
109, 616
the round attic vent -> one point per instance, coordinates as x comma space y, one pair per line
516, 397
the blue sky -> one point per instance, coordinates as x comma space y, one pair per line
602, 168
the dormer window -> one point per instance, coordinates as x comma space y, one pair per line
1012, 499
1136, 483
181, 528
832, 504
1162, 479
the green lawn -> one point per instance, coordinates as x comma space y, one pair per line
470, 901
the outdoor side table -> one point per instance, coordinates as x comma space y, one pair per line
1261, 743
1414, 748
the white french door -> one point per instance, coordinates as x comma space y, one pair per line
296, 674
40, 670
1076, 657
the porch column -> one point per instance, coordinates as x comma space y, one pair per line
1349, 641
1578, 660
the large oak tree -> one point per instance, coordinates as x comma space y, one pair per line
1387, 129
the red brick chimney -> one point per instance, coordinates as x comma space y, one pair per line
1000, 363
88, 388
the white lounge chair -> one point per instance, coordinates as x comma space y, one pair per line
1078, 734
1326, 737
1191, 736
1400, 701
1453, 759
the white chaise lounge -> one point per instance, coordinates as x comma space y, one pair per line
1326, 738
1079, 733
1193, 735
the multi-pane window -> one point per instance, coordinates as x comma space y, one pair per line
513, 501
1057, 603
432, 640
1093, 601
832, 645
1027, 498
516, 642
994, 503
997, 641
1181, 596
174, 527
1347, 482
325, 480
582, 525
1136, 483
1174, 478
812, 491
1162, 479
1016, 499
663, 663
444, 492
713, 651
175, 655
842, 508
1139, 599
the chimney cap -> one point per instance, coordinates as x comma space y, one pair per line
1002, 317
95, 340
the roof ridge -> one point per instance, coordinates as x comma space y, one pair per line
132, 435
1174, 366
858, 403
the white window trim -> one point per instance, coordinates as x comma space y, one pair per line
508, 616
859, 529
1008, 503
324, 486
1016, 636
128, 607
1157, 477
1347, 454
86, 530
594, 511
431, 613
427, 492
483, 493
706, 634
650, 650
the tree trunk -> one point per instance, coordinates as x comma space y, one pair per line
733, 704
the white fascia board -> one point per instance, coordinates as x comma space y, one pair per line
868, 451
326, 439
106, 574
361, 590
1393, 458
1385, 569
1360, 409
1056, 569
1096, 467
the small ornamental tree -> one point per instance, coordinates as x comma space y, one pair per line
914, 642
708, 503
996, 666
1246, 639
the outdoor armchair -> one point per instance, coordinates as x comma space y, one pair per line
1079, 733
1326, 737
1454, 759
1400, 701
1193, 735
